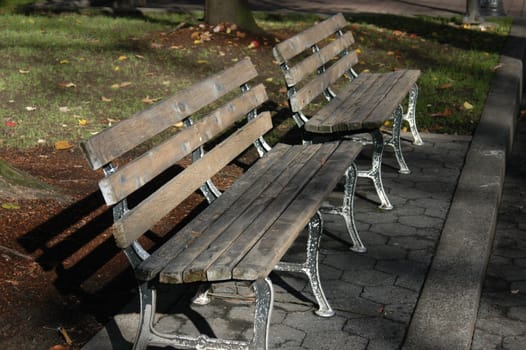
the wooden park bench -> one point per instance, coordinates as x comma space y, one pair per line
245, 231
313, 62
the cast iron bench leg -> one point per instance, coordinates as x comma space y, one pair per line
310, 266
347, 210
375, 173
410, 116
394, 141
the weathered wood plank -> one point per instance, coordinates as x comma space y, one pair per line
135, 222
387, 105
127, 134
309, 65
221, 269
317, 85
151, 267
139, 172
295, 45
260, 261
191, 265
355, 93
363, 107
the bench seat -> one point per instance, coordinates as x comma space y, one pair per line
245, 232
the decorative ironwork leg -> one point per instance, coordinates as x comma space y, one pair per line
147, 299
395, 141
375, 172
264, 301
148, 335
410, 116
202, 297
347, 210
310, 266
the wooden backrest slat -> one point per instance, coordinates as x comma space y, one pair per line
140, 218
122, 137
298, 43
316, 86
135, 174
309, 65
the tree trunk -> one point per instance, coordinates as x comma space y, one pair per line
472, 12
231, 11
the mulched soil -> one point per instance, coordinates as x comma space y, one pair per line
59, 266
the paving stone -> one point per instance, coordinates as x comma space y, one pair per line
375, 328
517, 313
350, 261
514, 343
483, 340
334, 340
284, 336
388, 294
393, 230
399, 312
502, 326
368, 278
412, 243
418, 221
386, 252
311, 323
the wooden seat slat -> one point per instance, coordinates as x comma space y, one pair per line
304, 40
221, 268
127, 134
269, 250
398, 92
217, 237
321, 122
363, 106
142, 217
135, 174
212, 215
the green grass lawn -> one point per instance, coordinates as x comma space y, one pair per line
66, 77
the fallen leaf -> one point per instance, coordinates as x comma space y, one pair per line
83, 122
391, 53
445, 86
23, 71
64, 61
358, 51
65, 334
254, 44
179, 125
31, 108
149, 100
139, 57
63, 145
64, 109
123, 58
515, 291
446, 113
467, 106
241, 34
10, 123
10, 206
105, 99
67, 85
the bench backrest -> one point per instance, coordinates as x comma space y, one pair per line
315, 59
125, 136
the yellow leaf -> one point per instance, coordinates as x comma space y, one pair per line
116, 68
63, 145
64, 62
123, 58
467, 106
105, 99
115, 86
358, 51
83, 122
10, 206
